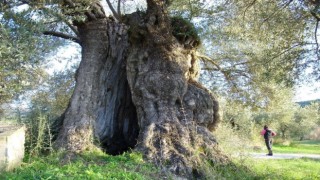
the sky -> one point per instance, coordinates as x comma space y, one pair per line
63, 59
307, 92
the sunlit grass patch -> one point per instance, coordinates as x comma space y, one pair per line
304, 147
271, 169
97, 165
286, 168
89, 165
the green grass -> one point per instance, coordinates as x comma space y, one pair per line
305, 142
303, 168
271, 169
97, 165
302, 147
94, 165
286, 169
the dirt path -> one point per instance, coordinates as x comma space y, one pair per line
284, 156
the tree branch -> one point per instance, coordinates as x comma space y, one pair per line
315, 15
250, 5
62, 17
291, 48
115, 14
191, 9
316, 39
208, 59
227, 73
73, 28
276, 12
119, 5
62, 35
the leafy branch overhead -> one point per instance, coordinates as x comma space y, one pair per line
255, 41
248, 40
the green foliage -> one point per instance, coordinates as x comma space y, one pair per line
89, 165
55, 93
22, 51
252, 43
192, 8
46, 106
257, 51
38, 136
232, 140
281, 110
305, 120
238, 117
184, 31
276, 109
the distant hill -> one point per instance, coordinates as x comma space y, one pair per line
306, 103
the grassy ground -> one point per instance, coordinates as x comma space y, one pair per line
279, 168
131, 166
97, 165
283, 169
93, 166
271, 169
302, 147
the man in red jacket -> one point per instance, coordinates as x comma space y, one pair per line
268, 134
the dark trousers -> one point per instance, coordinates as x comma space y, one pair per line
269, 144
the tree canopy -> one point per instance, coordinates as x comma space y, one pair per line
249, 43
23, 49
243, 42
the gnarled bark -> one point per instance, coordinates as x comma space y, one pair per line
175, 113
137, 88
101, 107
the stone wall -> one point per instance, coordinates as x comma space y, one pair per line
12, 139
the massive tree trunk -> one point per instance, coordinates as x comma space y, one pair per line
101, 108
136, 88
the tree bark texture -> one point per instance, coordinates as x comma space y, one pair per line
137, 88
101, 108
175, 113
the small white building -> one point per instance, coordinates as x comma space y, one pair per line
12, 139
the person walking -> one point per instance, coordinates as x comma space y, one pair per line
268, 134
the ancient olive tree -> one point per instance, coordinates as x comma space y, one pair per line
137, 88
136, 85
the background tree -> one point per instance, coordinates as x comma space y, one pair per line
246, 43
305, 120
282, 111
22, 52
46, 105
239, 117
